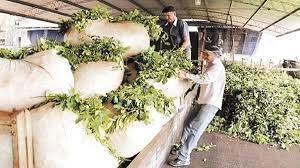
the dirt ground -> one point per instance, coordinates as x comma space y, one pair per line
235, 153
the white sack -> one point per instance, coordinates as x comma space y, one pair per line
137, 135
23, 83
60, 143
6, 155
97, 78
130, 34
174, 87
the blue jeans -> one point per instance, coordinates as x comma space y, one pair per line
201, 116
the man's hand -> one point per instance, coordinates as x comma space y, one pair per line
182, 75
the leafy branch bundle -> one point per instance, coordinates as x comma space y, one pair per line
133, 100
161, 65
104, 49
260, 105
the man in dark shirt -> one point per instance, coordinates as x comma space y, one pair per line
177, 30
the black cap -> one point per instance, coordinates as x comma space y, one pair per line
168, 9
215, 49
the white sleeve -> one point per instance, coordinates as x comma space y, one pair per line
209, 76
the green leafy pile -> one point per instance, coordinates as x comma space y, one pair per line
149, 22
133, 100
260, 105
161, 65
104, 49
80, 19
98, 49
18, 54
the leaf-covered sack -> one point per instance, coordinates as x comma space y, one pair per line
23, 83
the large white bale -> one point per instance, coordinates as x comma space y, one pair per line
23, 83
97, 78
137, 135
130, 34
6, 154
58, 142
174, 87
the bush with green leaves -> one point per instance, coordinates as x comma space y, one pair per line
260, 105
161, 65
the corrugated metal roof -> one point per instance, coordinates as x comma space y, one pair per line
276, 16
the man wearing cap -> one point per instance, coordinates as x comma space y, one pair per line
177, 31
212, 84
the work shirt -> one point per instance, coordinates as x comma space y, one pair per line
212, 84
176, 33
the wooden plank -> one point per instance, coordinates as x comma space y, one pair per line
4, 129
21, 142
15, 143
29, 139
5, 118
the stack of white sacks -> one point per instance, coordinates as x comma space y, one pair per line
58, 142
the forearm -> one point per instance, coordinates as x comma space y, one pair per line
185, 44
200, 79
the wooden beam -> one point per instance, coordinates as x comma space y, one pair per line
205, 6
39, 7
282, 18
161, 3
260, 6
74, 4
140, 6
228, 12
111, 5
289, 32
27, 16
29, 145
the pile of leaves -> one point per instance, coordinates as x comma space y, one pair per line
80, 19
98, 49
260, 105
15, 55
161, 65
132, 101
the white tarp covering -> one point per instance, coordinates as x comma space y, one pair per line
174, 87
23, 83
130, 34
137, 135
58, 142
6, 156
97, 78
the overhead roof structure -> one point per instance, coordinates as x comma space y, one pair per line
279, 17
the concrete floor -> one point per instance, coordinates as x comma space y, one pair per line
235, 153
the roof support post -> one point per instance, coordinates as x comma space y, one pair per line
228, 11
